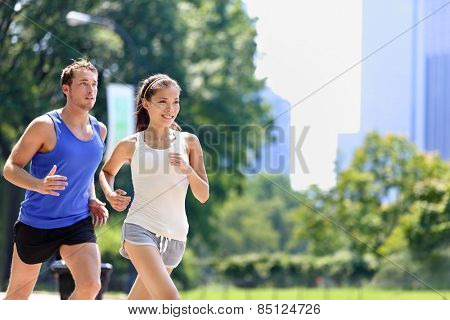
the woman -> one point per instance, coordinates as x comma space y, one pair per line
164, 162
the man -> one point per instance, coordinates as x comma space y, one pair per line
65, 147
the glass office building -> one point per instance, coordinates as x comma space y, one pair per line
406, 76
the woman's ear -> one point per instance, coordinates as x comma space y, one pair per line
145, 104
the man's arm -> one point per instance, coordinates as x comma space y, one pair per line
97, 208
103, 132
32, 141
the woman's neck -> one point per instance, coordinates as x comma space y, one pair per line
157, 133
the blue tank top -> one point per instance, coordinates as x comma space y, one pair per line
77, 160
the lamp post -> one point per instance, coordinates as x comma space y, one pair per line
119, 97
75, 18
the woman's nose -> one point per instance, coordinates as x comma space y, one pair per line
170, 106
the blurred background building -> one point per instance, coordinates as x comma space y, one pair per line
405, 79
405, 85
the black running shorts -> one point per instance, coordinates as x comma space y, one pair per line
36, 245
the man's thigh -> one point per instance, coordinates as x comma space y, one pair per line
83, 261
22, 279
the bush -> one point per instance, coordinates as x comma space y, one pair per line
282, 270
187, 275
109, 239
434, 271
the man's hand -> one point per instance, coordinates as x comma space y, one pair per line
98, 211
52, 182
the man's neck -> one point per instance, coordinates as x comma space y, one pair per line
75, 116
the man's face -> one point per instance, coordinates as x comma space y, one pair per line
83, 90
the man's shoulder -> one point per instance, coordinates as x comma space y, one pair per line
42, 122
102, 125
103, 129
41, 128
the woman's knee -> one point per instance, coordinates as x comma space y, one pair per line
168, 295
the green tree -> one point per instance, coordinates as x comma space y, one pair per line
208, 46
256, 221
312, 223
221, 98
428, 230
385, 201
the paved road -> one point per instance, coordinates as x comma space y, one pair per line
45, 295
39, 295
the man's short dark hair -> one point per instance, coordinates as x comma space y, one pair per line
78, 64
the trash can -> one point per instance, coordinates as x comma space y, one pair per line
65, 281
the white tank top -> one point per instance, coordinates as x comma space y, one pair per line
159, 189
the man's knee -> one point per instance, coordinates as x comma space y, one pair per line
19, 293
89, 286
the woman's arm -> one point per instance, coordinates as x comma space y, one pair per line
195, 170
121, 154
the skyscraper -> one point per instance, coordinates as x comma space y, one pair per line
405, 74
435, 81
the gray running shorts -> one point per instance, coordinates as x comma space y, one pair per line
171, 250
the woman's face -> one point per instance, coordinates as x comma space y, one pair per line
164, 106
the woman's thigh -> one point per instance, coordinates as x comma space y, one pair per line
152, 271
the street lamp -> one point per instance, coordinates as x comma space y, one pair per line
75, 18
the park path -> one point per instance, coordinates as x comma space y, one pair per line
39, 295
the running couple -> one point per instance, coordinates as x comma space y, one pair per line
60, 209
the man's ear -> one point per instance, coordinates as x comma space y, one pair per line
65, 89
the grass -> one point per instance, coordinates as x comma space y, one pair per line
231, 293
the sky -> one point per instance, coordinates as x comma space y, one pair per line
303, 49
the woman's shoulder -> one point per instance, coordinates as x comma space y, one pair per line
191, 140
188, 137
133, 137
128, 143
